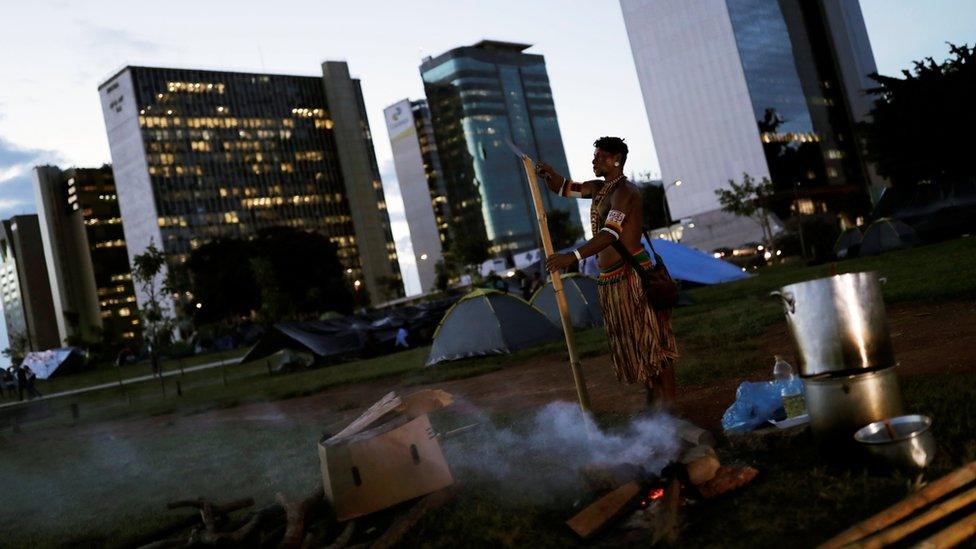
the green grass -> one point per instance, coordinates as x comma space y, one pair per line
109, 373
50, 479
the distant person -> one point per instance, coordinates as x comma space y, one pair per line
21, 382
8, 381
525, 283
32, 391
401, 338
536, 282
123, 357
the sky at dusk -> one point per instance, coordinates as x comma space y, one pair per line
54, 53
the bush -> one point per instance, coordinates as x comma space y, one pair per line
179, 349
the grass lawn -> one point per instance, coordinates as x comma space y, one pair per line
115, 483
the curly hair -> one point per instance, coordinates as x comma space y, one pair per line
613, 145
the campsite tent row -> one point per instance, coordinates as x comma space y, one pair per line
351, 336
482, 322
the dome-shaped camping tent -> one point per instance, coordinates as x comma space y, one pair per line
848, 243
581, 296
887, 234
488, 322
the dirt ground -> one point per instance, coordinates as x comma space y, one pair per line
927, 338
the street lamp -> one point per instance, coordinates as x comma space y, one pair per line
667, 208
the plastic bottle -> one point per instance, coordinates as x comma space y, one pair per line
791, 388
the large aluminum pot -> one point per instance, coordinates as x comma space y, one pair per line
838, 324
839, 405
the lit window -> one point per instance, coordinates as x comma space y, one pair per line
124, 311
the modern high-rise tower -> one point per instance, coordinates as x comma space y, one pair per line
772, 88
199, 155
28, 309
85, 253
421, 184
479, 96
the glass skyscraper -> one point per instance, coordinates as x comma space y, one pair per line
479, 96
771, 88
199, 155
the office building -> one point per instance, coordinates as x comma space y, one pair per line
772, 88
27, 305
85, 254
479, 96
421, 184
199, 155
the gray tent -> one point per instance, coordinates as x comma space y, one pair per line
581, 296
488, 322
887, 234
848, 243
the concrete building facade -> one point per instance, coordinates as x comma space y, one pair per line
86, 256
421, 184
771, 88
24, 288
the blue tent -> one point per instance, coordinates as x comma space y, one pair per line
687, 264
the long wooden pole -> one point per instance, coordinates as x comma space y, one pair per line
931, 493
557, 286
937, 512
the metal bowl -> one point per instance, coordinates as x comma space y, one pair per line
904, 442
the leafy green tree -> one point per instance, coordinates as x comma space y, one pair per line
157, 322
281, 273
19, 346
469, 248
921, 125
750, 199
561, 229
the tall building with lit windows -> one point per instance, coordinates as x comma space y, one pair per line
478, 97
772, 88
85, 254
421, 184
24, 290
199, 155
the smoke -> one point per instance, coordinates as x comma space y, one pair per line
545, 452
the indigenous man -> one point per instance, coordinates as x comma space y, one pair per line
642, 345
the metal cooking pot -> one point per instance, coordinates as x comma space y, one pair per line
838, 324
840, 405
905, 442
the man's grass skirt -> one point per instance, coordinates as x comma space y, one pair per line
642, 344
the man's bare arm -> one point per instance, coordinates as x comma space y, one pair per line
561, 185
622, 201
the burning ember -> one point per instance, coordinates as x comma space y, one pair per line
653, 495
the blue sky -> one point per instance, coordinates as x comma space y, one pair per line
56, 52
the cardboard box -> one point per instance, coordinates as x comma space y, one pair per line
364, 471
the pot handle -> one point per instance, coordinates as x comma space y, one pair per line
789, 301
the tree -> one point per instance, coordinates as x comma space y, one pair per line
18, 348
921, 124
389, 286
281, 273
752, 200
157, 325
469, 247
562, 230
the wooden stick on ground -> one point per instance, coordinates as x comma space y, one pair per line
934, 491
296, 515
938, 511
953, 535
557, 286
